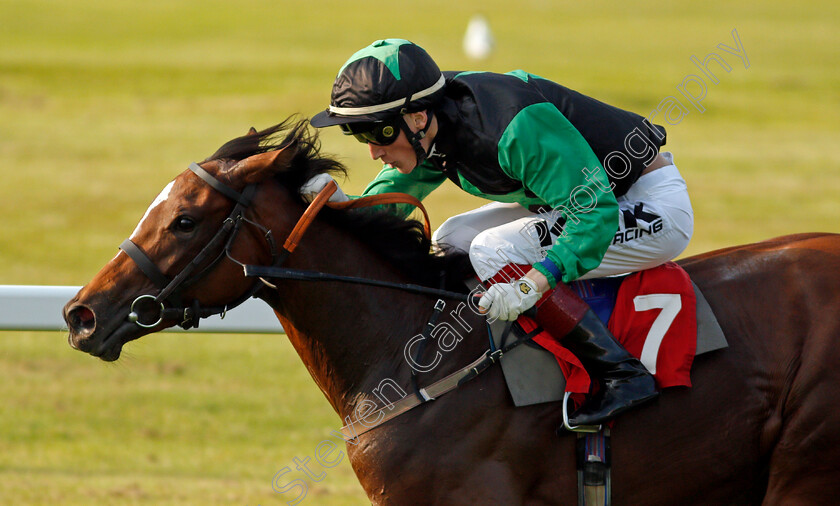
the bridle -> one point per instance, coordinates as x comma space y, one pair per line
171, 289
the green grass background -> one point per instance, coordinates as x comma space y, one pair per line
102, 103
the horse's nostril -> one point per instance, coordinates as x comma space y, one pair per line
82, 320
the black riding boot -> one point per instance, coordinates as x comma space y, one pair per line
623, 380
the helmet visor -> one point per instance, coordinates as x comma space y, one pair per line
380, 133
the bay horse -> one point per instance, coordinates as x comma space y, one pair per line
761, 425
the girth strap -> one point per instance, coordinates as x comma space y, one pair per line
433, 391
436, 389
593, 468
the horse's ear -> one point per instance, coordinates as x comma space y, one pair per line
262, 166
252, 131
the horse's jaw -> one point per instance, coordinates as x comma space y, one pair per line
109, 347
100, 327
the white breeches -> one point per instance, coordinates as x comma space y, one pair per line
655, 224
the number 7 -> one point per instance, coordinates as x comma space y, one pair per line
670, 304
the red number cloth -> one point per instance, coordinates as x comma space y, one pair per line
632, 326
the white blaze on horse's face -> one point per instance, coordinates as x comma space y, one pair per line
161, 198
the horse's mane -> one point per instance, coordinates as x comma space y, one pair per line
399, 241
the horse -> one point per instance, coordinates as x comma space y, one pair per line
759, 426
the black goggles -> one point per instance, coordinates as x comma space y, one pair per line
380, 133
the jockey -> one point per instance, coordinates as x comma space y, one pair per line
580, 190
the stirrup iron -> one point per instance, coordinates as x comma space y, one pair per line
576, 428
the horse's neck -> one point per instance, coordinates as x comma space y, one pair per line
350, 337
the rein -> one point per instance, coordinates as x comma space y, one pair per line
172, 288
277, 272
422, 395
190, 316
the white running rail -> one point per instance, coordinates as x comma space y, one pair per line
30, 307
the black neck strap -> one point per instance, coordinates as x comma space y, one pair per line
415, 137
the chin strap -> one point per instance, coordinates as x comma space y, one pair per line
415, 137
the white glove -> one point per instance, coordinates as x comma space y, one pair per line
508, 300
313, 187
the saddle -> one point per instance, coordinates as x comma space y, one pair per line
659, 315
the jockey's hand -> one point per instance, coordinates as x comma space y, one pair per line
313, 187
508, 300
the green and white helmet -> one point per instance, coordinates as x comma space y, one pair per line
387, 78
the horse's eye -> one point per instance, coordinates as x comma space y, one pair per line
184, 224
